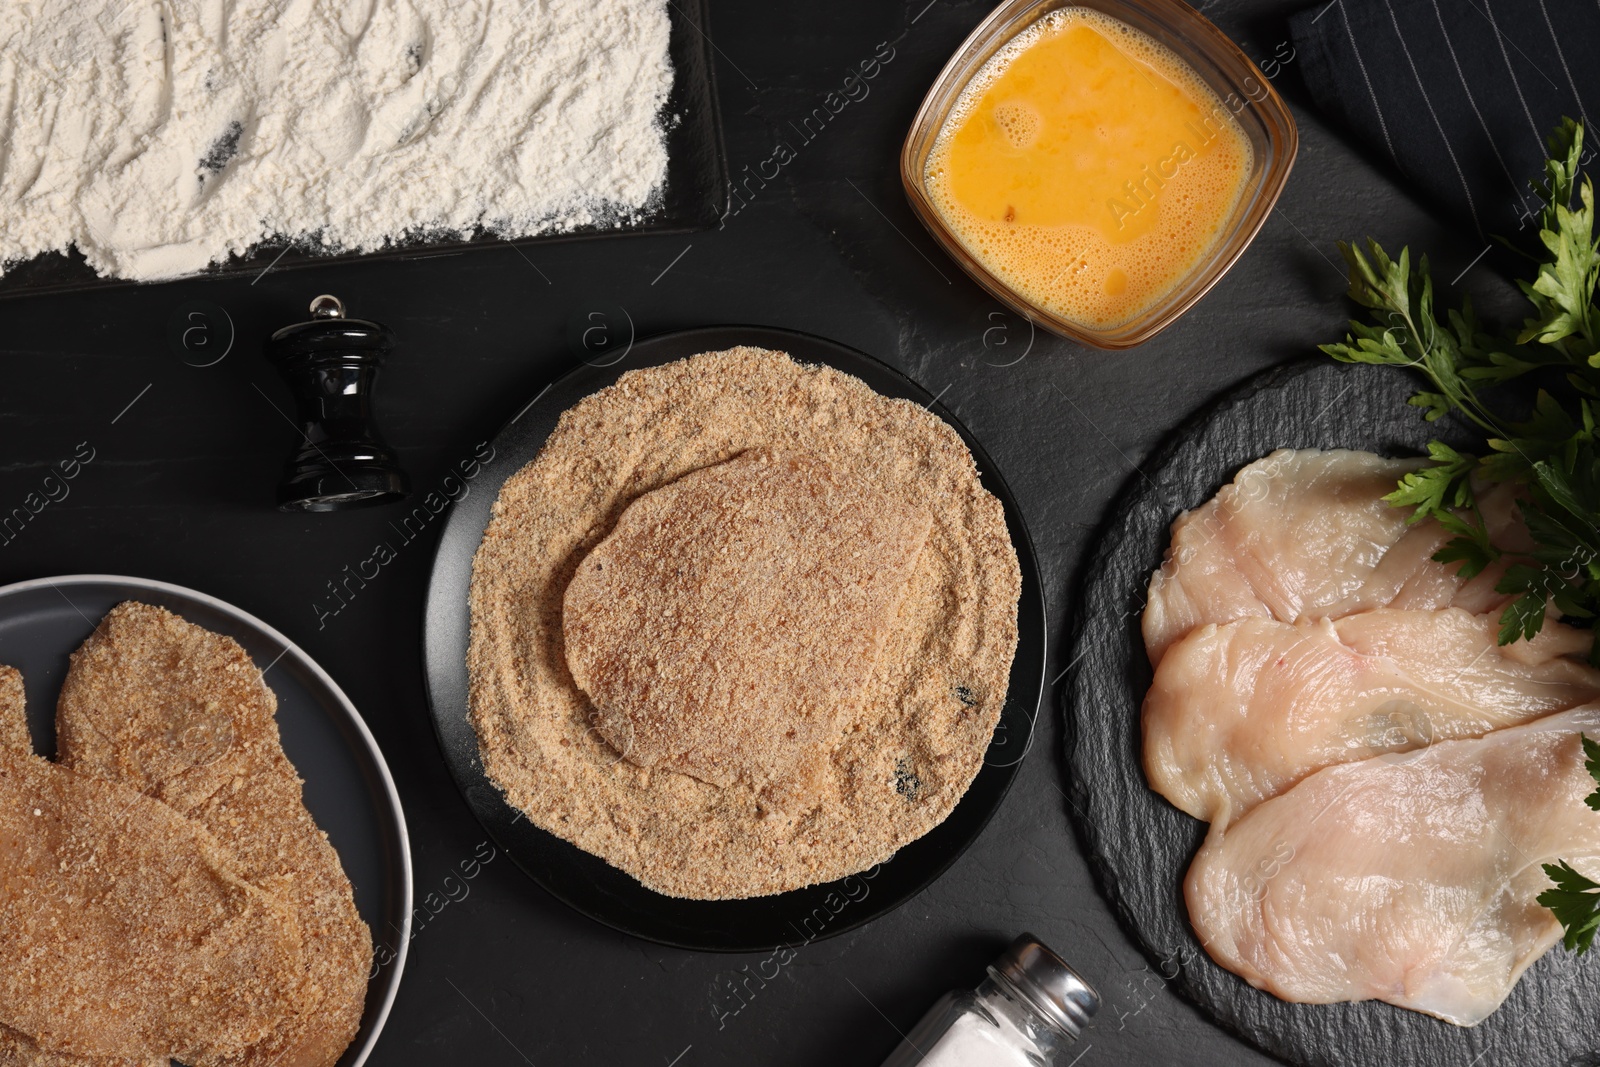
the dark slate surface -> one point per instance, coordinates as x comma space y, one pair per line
181, 490
1140, 846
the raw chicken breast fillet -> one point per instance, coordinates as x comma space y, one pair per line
1410, 879
1240, 712
1306, 534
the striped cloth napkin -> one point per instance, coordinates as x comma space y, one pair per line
1459, 95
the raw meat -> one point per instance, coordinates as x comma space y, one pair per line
1240, 712
1410, 880
1307, 534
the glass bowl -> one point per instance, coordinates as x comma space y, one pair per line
1244, 90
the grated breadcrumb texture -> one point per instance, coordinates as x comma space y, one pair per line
129, 930
16, 1048
733, 617
903, 749
156, 702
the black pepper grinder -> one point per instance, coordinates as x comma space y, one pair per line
331, 364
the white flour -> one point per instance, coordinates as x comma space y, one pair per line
160, 135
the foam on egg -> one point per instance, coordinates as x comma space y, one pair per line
1099, 222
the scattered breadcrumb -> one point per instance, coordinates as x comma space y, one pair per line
903, 754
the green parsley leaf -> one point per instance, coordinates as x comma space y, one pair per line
1552, 455
1575, 900
1435, 490
1592, 765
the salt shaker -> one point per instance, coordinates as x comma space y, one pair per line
1025, 1014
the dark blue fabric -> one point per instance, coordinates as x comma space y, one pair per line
1459, 95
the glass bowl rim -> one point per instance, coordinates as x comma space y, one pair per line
1203, 40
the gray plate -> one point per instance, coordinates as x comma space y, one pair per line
347, 783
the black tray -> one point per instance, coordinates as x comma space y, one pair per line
589, 884
695, 196
1140, 846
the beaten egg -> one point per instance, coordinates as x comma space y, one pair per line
1088, 167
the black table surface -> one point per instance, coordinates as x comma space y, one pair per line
186, 457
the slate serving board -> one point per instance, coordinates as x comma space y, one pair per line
1140, 846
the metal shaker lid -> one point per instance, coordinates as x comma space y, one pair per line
1050, 986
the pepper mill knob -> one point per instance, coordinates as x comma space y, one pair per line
331, 364
327, 306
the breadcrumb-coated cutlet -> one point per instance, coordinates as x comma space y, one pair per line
164, 705
16, 1048
733, 617
14, 737
897, 759
128, 930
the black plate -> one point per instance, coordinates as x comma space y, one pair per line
588, 883
694, 198
1140, 846
347, 785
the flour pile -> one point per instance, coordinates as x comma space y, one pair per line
158, 136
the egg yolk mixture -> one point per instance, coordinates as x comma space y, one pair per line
1088, 167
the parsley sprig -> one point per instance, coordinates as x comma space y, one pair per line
1550, 454
1575, 900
